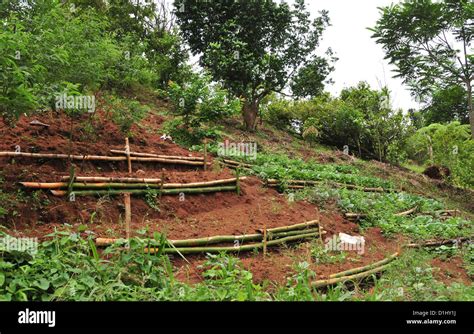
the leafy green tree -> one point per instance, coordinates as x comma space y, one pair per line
446, 105
430, 44
254, 47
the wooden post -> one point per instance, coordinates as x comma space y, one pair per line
127, 152
237, 181
264, 240
128, 214
127, 201
162, 182
205, 154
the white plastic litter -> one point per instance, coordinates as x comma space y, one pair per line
352, 240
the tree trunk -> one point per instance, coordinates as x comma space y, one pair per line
249, 113
470, 107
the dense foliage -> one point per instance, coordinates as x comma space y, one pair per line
48, 45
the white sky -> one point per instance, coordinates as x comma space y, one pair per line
360, 58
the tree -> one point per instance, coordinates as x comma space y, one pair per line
446, 105
254, 47
429, 42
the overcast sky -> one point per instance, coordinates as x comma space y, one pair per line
360, 58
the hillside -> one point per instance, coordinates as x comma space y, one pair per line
37, 213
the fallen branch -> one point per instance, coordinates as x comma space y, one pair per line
153, 155
144, 191
365, 268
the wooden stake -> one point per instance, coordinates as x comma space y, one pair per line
128, 214
205, 154
129, 161
162, 182
264, 240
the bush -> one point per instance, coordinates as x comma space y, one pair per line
446, 145
125, 112
199, 101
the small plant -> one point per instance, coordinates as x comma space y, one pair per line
322, 255
151, 198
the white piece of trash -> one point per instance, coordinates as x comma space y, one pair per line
349, 239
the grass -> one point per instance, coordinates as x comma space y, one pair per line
68, 267
414, 167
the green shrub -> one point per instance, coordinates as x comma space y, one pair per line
199, 101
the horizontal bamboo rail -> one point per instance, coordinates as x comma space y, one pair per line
364, 274
237, 163
77, 185
365, 268
291, 227
300, 184
439, 243
353, 215
112, 179
215, 239
99, 158
144, 191
407, 212
193, 250
153, 155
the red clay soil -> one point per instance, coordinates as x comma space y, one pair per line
196, 216
451, 270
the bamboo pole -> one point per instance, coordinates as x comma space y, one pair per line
407, 212
364, 274
300, 184
292, 227
99, 158
365, 268
192, 250
205, 154
153, 155
79, 185
218, 238
438, 243
353, 215
237, 163
113, 179
144, 191
264, 240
